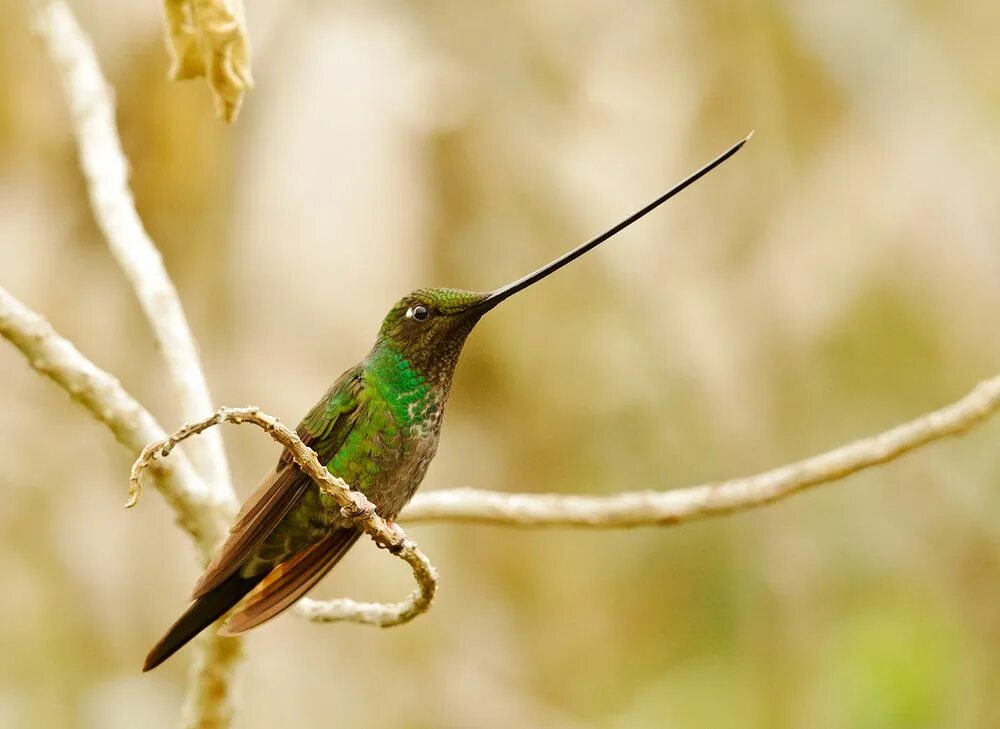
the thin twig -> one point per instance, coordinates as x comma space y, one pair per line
198, 509
659, 508
209, 703
353, 506
91, 102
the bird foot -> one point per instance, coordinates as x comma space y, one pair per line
398, 536
357, 511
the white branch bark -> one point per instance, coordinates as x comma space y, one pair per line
353, 506
199, 510
91, 102
210, 703
659, 508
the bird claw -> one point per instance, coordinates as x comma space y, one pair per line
398, 537
357, 511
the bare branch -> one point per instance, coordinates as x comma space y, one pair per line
209, 702
209, 38
658, 508
199, 510
353, 506
106, 169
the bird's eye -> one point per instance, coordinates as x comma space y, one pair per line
418, 312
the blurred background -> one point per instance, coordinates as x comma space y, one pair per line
837, 277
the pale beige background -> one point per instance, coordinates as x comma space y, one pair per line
840, 275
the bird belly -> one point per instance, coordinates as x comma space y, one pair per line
389, 477
395, 479
382, 458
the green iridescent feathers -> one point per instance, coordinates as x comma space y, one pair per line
404, 390
324, 427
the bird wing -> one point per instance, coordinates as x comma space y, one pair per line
289, 581
324, 429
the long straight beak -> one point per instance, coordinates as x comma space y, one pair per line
524, 282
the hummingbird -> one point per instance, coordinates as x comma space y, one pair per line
377, 428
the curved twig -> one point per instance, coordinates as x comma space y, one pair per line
353, 505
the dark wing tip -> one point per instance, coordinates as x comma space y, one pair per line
152, 661
159, 653
202, 613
